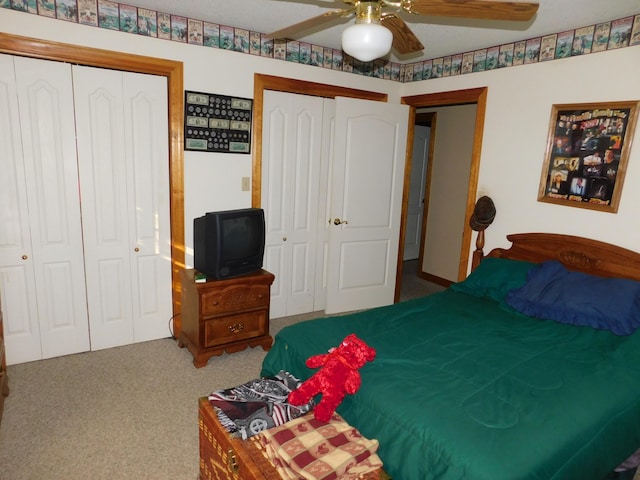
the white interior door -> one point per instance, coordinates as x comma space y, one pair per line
415, 204
41, 241
292, 136
123, 163
366, 204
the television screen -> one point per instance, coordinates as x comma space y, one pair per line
229, 243
239, 237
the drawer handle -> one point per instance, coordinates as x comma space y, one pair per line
236, 327
232, 461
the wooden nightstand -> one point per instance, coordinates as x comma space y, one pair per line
225, 315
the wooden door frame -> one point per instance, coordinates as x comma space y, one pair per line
173, 71
476, 96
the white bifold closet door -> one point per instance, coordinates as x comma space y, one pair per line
123, 163
85, 243
41, 261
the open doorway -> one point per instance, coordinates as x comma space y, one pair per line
418, 182
414, 283
447, 191
476, 97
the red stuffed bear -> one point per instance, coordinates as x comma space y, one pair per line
338, 376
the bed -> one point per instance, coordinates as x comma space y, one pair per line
465, 385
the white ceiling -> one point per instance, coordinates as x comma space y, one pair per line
440, 36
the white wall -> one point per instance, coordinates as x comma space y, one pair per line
515, 137
212, 181
518, 110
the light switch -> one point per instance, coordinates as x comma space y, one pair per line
246, 184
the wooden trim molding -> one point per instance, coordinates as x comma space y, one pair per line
173, 71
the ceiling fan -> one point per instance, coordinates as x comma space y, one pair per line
368, 38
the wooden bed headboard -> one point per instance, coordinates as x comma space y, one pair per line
576, 253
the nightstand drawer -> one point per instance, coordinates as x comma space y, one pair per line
234, 298
232, 328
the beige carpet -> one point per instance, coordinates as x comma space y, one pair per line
122, 413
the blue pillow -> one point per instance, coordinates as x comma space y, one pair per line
494, 277
552, 292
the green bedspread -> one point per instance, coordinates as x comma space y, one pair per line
461, 388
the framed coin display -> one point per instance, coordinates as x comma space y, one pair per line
217, 123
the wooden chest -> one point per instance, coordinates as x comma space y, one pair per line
225, 458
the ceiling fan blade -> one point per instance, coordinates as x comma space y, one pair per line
293, 30
480, 9
404, 41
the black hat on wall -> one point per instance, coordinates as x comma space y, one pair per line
483, 214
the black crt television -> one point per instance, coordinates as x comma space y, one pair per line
229, 243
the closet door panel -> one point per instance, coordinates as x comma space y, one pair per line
20, 315
106, 196
274, 199
306, 166
47, 124
274, 261
17, 279
292, 145
146, 124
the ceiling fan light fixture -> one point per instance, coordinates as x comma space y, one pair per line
367, 41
